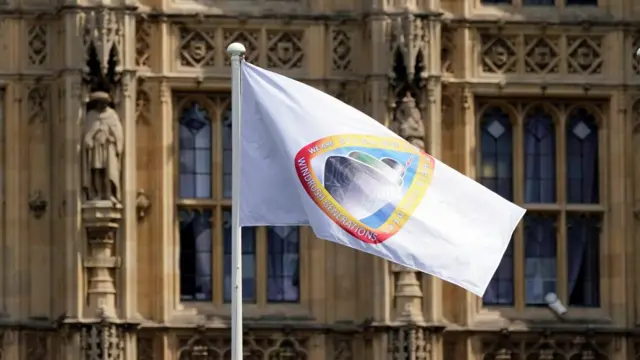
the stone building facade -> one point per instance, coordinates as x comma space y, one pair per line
537, 99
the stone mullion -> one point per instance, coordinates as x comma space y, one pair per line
71, 111
128, 234
432, 286
74, 110
614, 199
16, 181
634, 163
14, 233
167, 281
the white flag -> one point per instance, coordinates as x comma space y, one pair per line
310, 159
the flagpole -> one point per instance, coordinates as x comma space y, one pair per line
236, 51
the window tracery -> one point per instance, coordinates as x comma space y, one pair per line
545, 157
271, 255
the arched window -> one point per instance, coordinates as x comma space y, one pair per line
496, 143
582, 158
558, 242
496, 173
583, 227
271, 255
540, 157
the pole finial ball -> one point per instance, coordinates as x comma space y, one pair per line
638, 52
236, 49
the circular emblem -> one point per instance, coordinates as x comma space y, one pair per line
368, 185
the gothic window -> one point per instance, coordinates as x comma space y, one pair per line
540, 157
545, 157
270, 255
583, 224
496, 173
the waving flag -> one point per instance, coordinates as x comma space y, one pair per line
309, 159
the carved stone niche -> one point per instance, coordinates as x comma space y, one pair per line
408, 93
102, 150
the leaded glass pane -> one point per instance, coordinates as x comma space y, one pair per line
583, 259
540, 265
540, 157
195, 145
226, 154
496, 173
248, 260
283, 264
496, 152
582, 158
195, 254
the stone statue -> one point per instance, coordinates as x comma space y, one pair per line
102, 148
407, 122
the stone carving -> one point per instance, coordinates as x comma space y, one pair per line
547, 346
409, 343
342, 348
498, 54
447, 50
408, 123
274, 347
341, 50
143, 43
406, 89
197, 47
541, 54
38, 104
37, 40
143, 107
285, 50
102, 38
585, 55
409, 41
249, 38
145, 348
37, 345
103, 341
143, 203
102, 147
101, 220
37, 204
102, 150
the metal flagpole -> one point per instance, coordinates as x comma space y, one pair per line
236, 51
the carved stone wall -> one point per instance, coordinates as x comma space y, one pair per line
425, 68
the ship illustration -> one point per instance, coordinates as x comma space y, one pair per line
362, 184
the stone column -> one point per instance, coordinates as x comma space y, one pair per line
101, 220
408, 296
414, 102
406, 88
